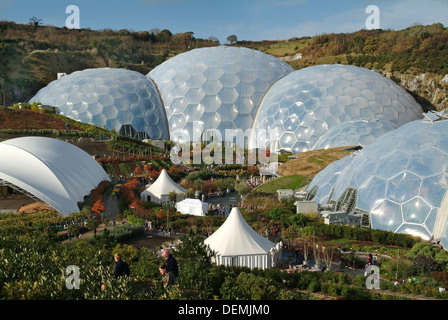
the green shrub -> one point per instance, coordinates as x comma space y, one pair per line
314, 286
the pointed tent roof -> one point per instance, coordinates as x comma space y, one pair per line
164, 185
236, 237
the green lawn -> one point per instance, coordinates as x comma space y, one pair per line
289, 182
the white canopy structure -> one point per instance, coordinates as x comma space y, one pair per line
50, 171
159, 190
192, 206
237, 244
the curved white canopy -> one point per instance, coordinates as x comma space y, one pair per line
52, 170
235, 237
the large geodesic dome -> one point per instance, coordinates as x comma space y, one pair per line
400, 181
215, 88
306, 103
353, 133
119, 99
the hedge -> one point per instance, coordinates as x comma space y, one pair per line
365, 234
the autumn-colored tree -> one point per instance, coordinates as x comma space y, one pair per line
138, 170
130, 190
98, 207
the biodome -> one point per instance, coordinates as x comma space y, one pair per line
398, 182
215, 88
307, 103
118, 99
353, 133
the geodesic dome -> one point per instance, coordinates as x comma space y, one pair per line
400, 180
216, 88
306, 103
119, 99
321, 186
353, 133
49, 170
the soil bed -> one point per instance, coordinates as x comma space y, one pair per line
148, 240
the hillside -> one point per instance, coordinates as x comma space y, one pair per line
31, 56
309, 163
94, 140
415, 57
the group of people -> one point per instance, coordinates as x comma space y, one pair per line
165, 231
223, 210
148, 225
373, 260
403, 281
169, 269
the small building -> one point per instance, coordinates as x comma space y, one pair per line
284, 193
341, 218
306, 206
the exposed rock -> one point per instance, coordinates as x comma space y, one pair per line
295, 57
445, 79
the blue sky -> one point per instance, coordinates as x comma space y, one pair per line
247, 19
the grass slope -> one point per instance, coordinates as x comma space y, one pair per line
309, 163
289, 182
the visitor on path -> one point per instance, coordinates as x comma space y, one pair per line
171, 264
121, 267
167, 277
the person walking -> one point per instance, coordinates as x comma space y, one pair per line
121, 267
171, 264
167, 277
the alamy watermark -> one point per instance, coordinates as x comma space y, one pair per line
73, 20
373, 20
209, 147
373, 278
72, 281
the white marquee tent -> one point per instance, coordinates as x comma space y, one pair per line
192, 206
237, 244
49, 170
159, 190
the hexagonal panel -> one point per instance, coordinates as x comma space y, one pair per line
386, 215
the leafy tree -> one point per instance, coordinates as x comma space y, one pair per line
232, 39
164, 35
213, 39
35, 22
426, 264
242, 188
189, 193
197, 184
194, 260
172, 196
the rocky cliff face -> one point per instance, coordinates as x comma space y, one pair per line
430, 90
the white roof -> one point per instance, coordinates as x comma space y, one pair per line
235, 237
192, 206
54, 171
163, 186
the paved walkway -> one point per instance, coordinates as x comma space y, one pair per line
112, 207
